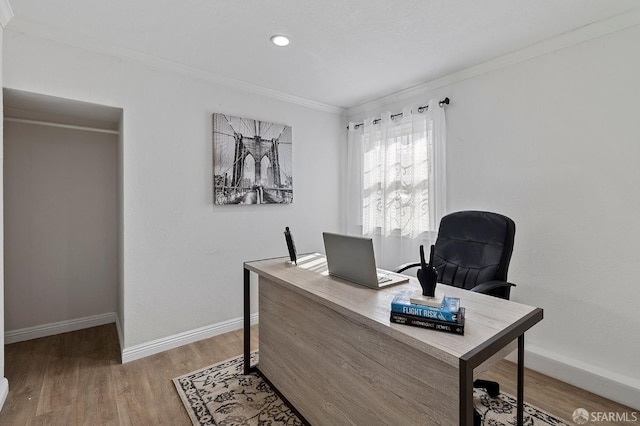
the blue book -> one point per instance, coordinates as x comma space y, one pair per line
449, 311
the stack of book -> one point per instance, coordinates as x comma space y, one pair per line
448, 318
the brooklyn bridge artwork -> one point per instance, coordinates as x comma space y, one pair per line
252, 161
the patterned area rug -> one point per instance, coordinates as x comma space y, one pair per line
222, 395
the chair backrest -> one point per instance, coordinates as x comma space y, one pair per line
474, 247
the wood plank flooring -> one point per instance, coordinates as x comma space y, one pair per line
77, 379
556, 397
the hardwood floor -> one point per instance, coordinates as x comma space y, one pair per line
77, 379
556, 397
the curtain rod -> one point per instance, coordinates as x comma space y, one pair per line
422, 108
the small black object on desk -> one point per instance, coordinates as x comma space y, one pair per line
427, 274
290, 245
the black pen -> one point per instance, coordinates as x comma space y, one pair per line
290, 245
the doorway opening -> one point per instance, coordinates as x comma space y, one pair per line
62, 215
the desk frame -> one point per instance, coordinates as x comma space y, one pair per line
468, 361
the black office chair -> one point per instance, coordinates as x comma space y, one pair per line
472, 251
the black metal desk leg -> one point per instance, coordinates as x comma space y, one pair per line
247, 322
520, 403
466, 393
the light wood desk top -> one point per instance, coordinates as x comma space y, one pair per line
327, 340
486, 316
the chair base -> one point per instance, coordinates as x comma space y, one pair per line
492, 388
477, 418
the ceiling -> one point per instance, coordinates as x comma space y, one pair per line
342, 53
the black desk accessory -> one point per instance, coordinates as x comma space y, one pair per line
427, 274
290, 245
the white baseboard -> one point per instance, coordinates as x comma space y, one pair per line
120, 333
4, 391
160, 345
44, 330
586, 376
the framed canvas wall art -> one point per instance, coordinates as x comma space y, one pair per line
252, 161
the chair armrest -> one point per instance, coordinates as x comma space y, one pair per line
487, 286
406, 266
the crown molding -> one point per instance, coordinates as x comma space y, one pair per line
6, 13
562, 41
48, 32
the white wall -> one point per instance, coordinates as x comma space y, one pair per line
4, 385
60, 224
554, 143
182, 256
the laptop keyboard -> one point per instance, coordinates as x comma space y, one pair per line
383, 279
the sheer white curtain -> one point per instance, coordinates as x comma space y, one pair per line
396, 191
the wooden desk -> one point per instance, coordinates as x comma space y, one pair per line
329, 348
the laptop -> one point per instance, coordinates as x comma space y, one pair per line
352, 259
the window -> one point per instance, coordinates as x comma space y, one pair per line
396, 189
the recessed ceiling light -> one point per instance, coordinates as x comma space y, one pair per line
280, 40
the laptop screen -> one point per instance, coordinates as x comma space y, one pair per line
351, 258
